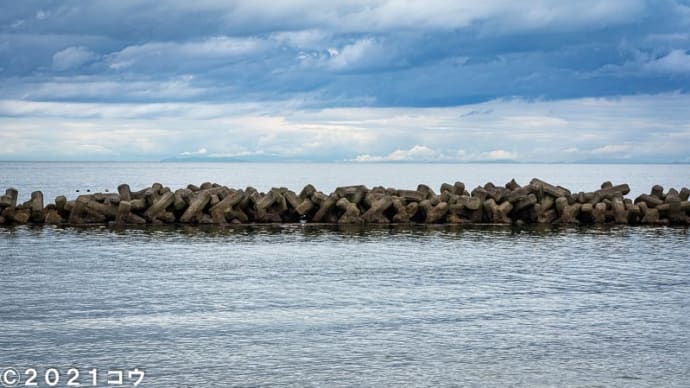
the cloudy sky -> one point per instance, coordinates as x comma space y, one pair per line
379, 80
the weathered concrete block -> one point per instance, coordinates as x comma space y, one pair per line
561, 203
651, 217
498, 213
658, 191
250, 198
205, 219
196, 206
447, 196
280, 205
613, 191
8, 214
620, 215
22, 216
124, 209
543, 216
318, 198
354, 194
10, 198
685, 206
180, 199
411, 195
480, 193
37, 214
324, 208
375, 214
138, 204
651, 200
675, 214
525, 202
307, 192
218, 215
568, 214
426, 191
52, 217
268, 216
599, 213
401, 215
471, 203
498, 194
305, 207
684, 194
586, 213
549, 189
236, 215
546, 203
229, 201
78, 209
157, 188
634, 214
436, 213
518, 194
458, 214
292, 199
167, 217
214, 199
512, 185
159, 206
351, 213
266, 201
125, 192
447, 187
108, 211
110, 198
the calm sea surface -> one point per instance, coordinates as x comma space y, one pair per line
310, 306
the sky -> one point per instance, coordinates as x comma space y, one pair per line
361, 81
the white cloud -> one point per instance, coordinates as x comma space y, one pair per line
612, 149
499, 16
42, 15
418, 153
196, 53
304, 39
677, 61
652, 127
72, 57
360, 54
496, 155
425, 154
94, 88
200, 151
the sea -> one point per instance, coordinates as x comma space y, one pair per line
314, 306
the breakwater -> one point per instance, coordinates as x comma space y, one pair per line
538, 202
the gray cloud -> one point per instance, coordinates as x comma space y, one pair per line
294, 78
72, 57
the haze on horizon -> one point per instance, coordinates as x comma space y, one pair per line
384, 80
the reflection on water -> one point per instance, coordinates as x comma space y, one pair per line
350, 306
